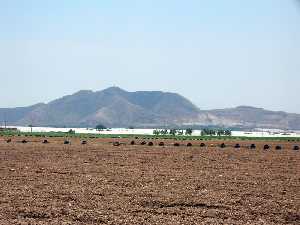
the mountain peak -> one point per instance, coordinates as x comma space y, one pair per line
245, 107
83, 92
114, 89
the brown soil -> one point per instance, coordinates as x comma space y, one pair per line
99, 183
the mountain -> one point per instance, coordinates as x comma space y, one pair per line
112, 107
248, 117
115, 107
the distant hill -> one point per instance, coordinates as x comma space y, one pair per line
251, 117
115, 107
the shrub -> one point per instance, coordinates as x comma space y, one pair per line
223, 145
237, 146
116, 143
71, 131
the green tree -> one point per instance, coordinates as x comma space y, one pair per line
180, 132
100, 127
210, 132
228, 132
173, 132
205, 132
71, 131
188, 131
30, 125
163, 132
156, 132
220, 132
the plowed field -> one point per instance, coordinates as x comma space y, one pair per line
99, 183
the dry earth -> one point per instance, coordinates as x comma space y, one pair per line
99, 183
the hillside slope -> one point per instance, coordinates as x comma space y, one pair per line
115, 107
112, 107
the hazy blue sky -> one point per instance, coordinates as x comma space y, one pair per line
217, 53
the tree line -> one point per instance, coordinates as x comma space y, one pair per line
189, 131
174, 132
215, 132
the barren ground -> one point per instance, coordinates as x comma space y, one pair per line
99, 183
